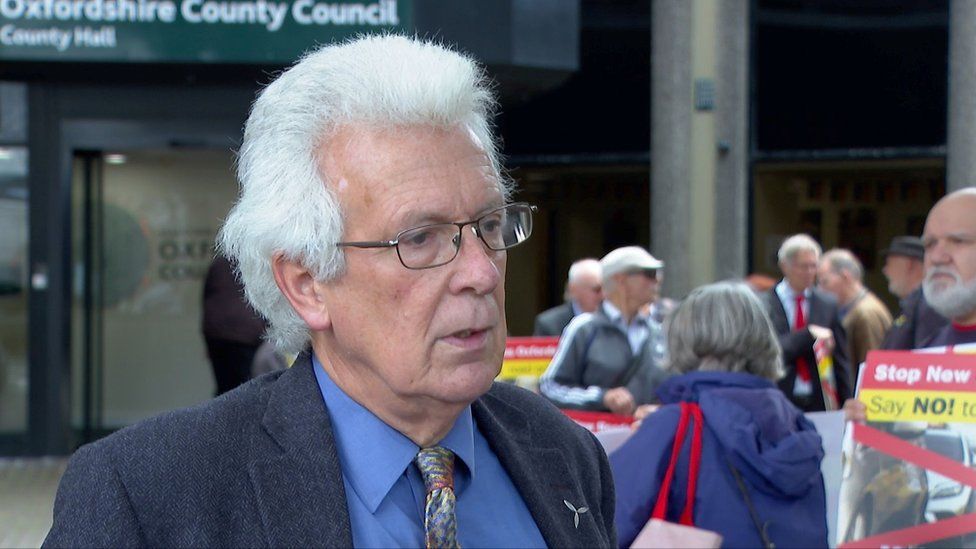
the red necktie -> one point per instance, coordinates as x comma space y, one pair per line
799, 323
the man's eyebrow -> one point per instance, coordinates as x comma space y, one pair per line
966, 237
962, 236
420, 219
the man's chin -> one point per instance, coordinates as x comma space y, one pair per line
468, 382
951, 300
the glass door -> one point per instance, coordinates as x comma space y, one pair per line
14, 379
145, 223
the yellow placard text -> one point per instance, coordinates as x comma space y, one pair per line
887, 405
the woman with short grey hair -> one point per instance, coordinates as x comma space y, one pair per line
757, 458
723, 328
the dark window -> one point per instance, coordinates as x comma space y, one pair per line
834, 74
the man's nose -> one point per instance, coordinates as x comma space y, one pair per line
475, 267
937, 254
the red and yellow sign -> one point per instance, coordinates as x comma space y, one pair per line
933, 390
905, 386
527, 356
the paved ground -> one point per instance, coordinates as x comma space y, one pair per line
27, 489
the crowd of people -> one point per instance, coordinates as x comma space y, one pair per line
748, 361
371, 233
611, 356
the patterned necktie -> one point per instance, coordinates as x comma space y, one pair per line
437, 467
800, 323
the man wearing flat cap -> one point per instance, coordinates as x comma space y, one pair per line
612, 359
918, 321
372, 232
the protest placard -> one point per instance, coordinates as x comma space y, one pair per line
908, 473
527, 357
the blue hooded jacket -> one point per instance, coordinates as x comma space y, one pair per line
749, 422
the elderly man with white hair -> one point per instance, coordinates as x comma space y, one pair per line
583, 295
612, 359
950, 266
804, 316
371, 231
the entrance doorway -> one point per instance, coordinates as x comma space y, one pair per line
14, 376
843, 204
143, 229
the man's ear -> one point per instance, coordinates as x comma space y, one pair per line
302, 291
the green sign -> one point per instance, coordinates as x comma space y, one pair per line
186, 31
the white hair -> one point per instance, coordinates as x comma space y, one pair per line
583, 266
723, 327
578, 269
843, 260
795, 244
287, 204
955, 301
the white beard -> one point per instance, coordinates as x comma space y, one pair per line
951, 301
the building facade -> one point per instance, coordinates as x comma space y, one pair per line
705, 130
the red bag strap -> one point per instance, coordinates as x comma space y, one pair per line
694, 464
660, 507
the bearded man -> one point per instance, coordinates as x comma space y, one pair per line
950, 266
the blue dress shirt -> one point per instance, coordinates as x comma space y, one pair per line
385, 492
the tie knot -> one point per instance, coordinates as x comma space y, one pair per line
799, 299
437, 467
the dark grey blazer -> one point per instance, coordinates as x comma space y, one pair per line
552, 322
823, 312
258, 467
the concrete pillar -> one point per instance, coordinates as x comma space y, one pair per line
699, 157
732, 134
961, 138
671, 106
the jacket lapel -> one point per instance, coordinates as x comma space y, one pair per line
295, 469
777, 314
541, 475
818, 311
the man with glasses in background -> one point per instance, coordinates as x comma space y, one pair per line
371, 232
804, 317
612, 359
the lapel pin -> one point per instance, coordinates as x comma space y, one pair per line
576, 512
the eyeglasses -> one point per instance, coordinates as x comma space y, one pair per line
648, 273
437, 244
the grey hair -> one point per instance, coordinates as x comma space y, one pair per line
723, 327
587, 265
843, 260
578, 269
287, 205
795, 244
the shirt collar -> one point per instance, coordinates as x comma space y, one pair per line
612, 312
616, 317
785, 291
373, 454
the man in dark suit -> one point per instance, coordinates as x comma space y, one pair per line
805, 317
918, 321
583, 295
231, 328
371, 231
